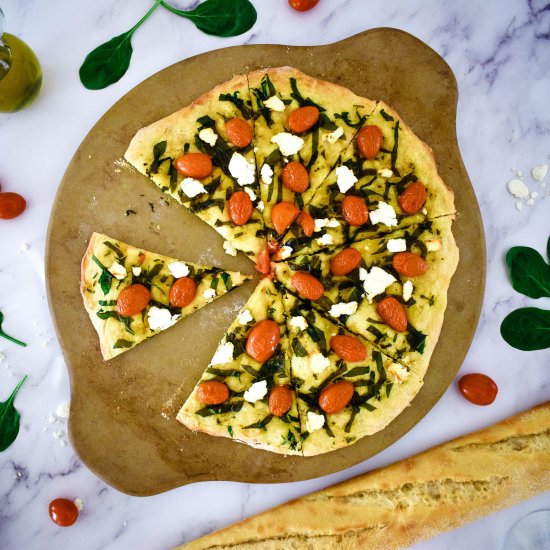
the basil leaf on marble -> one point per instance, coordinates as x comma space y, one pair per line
527, 329
6, 336
529, 272
9, 419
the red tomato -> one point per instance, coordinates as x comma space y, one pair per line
478, 388
11, 205
302, 5
63, 511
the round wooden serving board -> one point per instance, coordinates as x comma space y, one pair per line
122, 422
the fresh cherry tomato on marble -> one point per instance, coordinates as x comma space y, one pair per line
11, 205
302, 5
63, 511
478, 388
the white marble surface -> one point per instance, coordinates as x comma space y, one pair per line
500, 53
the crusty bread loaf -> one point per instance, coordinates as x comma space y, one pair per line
415, 499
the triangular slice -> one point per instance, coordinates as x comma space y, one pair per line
174, 153
246, 414
132, 294
363, 197
346, 387
354, 297
282, 137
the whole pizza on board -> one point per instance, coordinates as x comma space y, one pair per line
341, 209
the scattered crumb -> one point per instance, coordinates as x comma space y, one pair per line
519, 205
519, 173
530, 202
79, 504
62, 410
539, 172
24, 248
2, 357
518, 188
534, 195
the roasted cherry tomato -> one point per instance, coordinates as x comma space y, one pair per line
263, 340
307, 223
409, 264
302, 5
240, 207
239, 132
63, 511
307, 285
355, 210
280, 400
182, 292
132, 300
194, 165
369, 141
212, 392
295, 177
11, 205
263, 263
413, 198
303, 119
478, 388
336, 396
282, 215
349, 348
345, 261
393, 313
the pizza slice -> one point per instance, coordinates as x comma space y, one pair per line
384, 180
132, 294
246, 391
203, 157
346, 387
392, 290
302, 124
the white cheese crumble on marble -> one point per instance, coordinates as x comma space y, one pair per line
345, 178
318, 363
160, 318
539, 172
333, 137
250, 193
375, 281
384, 214
136, 270
242, 170
229, 248
399, 372
245, 317
314, 421
433, 245
407, 290
208, 136
178, 269
256, 392
325, 240
518, 189
266, 174
285, 252
79, 503
288, 144
530, 202
385, 173
298, 322
260, 206
223, 355
274, 103
396, 245
209, 293
343, 308
519, 205
534, 195
192, 187
118, 271
62, 410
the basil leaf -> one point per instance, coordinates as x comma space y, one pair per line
123, 344
220, 17
6, 336
527, 329
9, 419
106, 277
529, 272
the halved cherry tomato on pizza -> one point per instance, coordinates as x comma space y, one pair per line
355, 210
413, 198
280, 400
307, 285
240, 207
302, 5
478, 388
11, 205
369, 141
349, 348
263, 263
345, 261
239, 132
409, 264
263, 340
132, 300
307, 223
393, 313
295, 177
336, 396
194, 165
64, 512
182, 292
212, 392
303, 118
282, 215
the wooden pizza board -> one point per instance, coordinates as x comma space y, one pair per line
122, 422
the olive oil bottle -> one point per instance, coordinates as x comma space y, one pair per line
20, 72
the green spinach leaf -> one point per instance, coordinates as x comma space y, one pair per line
529, 272
6, 336
527, 329
9, 419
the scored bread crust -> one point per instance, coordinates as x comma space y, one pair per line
417, 498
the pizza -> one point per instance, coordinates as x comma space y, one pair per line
132, 294
340, 207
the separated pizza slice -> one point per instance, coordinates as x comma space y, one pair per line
392, 290
246, 391
301, 126
132, 294
384, 180
346, 387
203, 157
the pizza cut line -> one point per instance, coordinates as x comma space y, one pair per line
341, 209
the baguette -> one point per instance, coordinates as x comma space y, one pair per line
409, 501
